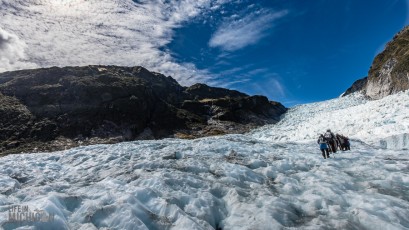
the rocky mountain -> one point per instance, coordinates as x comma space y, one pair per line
56, 108
389, 72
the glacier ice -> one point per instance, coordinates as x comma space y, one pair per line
271, 178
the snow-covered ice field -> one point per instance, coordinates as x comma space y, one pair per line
271, 178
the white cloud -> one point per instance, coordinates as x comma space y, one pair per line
109, 32
12, 52
272, 88
235, 34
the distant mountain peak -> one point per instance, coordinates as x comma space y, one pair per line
53, 108
389, 72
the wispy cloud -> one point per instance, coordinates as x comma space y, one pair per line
236, 33
115, 32
12, 52
260, 81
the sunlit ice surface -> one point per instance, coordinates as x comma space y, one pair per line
271, 178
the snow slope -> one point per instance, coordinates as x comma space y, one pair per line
272, 178
384, 123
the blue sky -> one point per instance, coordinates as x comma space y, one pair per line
291, 51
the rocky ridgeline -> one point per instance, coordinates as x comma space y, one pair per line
389, 72
56, 108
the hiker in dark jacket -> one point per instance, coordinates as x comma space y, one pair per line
346, 145
323, 146
338, 142
343, 142
330, 137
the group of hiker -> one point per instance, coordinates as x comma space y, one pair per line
330, 143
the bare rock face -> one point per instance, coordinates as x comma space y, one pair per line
14, 119
55, 108
389, 72
386, 81
357, 86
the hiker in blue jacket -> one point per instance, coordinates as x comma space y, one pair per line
323, 146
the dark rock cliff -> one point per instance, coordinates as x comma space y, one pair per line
357, 86
57, 108
389, 72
